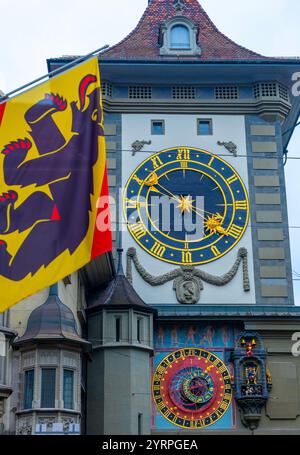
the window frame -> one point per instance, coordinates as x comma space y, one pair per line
118, 329
140, 329
25, 403
166, 41
41, 387
69, 370
205, 120
183, 26
163, 127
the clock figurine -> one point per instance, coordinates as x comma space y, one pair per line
186, 206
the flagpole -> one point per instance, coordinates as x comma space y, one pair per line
78, 60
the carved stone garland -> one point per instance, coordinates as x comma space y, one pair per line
188, 281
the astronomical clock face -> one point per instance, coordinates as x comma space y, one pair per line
186, 206
192, 388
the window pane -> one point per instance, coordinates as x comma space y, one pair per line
28, 389
204, 127
48, 388
157, 127
118, 330
180, 37
139, 330
68, 389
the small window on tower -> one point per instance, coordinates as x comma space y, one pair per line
204, 127
157, 127
118, 329
180, 37
139, 330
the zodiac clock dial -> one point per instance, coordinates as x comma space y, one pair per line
209, 201
192, 388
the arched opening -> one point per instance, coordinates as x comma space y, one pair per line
180, 37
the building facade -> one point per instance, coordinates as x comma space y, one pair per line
191, 330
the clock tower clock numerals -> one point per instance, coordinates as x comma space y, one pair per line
232, 179
241, 205
157, 162
183, 154
204, 212
139, 230
215, 251
235, 231
186, 257
158, 249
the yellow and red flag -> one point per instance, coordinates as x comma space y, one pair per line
52, 173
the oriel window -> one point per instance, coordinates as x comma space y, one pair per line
48, 388
68, 390
28, 389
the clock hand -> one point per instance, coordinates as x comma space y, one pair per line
190, 202
212, 223
155, 190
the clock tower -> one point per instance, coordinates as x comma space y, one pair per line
196, 129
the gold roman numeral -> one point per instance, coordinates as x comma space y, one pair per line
232, 179
184, 164
186, 257
241, 205
211, 161
139, 230
235, 231
139, 181
158, 249
223, 406
223, 369
215, 251
183, 154
133, 204
157, 162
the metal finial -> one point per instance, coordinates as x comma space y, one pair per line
53, 290
120, 270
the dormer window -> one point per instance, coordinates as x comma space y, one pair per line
179, 36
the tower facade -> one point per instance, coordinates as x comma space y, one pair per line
195, 129
196, 336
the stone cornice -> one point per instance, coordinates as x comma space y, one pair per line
246, 107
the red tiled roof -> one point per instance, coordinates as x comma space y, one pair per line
143, 41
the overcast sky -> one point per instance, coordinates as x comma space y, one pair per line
33, 30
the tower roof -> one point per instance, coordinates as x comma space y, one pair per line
51, 321
143, 41
119, 294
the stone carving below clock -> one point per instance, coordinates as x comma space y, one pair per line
137, 146
230, 146
188, 281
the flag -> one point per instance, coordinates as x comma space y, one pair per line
52, 173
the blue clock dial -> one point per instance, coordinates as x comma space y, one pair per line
186, 206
